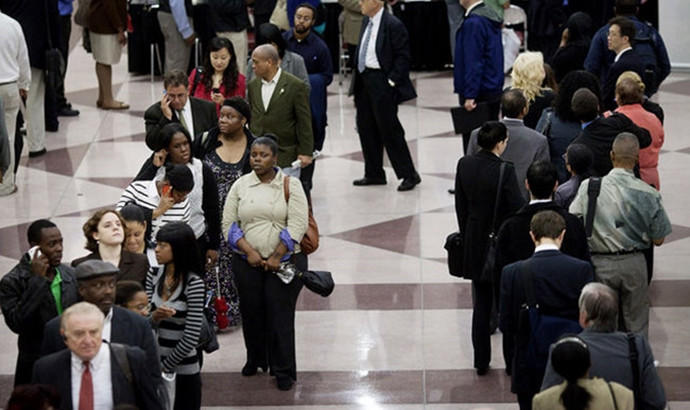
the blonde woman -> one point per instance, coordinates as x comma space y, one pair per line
528, 75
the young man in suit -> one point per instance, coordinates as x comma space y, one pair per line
558, 280
92, 374
381, 81
280, 106
36, 290
177, 106
96, 280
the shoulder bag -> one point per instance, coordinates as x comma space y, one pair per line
310, 240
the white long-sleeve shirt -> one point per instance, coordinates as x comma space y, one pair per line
14, 57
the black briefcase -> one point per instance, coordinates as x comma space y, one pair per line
465, 121
456, 249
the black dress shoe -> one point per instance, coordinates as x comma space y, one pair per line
67, 111
250, 369
482, 371
369, 181
34, 154
408, 184
284, 383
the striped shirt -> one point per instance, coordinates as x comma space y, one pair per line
145, 194
178, 336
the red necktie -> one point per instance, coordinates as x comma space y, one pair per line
86, 391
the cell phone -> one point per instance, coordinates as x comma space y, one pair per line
166, 190
34, 252
216, 90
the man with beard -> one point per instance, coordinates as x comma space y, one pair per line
96, 279
38, 289
303, 41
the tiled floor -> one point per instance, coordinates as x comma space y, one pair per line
395, 333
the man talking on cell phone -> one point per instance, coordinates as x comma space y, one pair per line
36, 290
196, 115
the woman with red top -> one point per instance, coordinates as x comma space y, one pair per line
219, 78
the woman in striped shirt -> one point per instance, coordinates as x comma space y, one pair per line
163, 200
176, 293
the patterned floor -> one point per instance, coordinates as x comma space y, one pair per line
395, 333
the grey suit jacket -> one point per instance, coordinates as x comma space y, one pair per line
288, 117
525, 146
56, 370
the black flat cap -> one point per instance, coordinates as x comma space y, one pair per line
94, 268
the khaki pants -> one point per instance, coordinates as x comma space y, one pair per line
9, 94
627, 276
177, 52
35, 112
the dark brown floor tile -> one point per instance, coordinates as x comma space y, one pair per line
444, 210
669, 293
13, 243
678, 87
364, 297
140, 137
399, 235
64, 161
675, 381
464, 386
447, 295
6, 387
442, 134
118, 182
314, 388
359, 156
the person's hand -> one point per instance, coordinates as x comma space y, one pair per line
217, 97
190, 40
23, 93
39, 264
211, 258
165, 203
254, 259
564, 38
165, 107
272, 263
159, 157
163, 312
306, 160
470, 104
121, 38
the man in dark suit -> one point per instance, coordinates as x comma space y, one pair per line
93, 374
558, 280
96, 280
599, 132
35, 291
621, 35
380, 82
280, 106
514, 242
177, 106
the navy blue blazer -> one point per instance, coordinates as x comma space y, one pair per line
127, 328
393, 53
56, 370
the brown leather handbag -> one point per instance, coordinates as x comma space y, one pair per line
310, 240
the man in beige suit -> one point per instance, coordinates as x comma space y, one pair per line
280, 106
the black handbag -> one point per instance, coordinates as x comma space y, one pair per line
489, 269
55, 64
455, 246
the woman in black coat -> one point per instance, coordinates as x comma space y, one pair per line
476, 183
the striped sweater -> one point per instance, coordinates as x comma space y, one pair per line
178, 336
145, 194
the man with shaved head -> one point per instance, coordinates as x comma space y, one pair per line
280, 106
628, 218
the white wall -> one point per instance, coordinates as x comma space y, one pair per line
674, 25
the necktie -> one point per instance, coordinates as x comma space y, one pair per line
180, 115
361, 61
86, 390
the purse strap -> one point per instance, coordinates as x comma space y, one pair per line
50, 40
593, 190
286, 188
498, 197
613, 396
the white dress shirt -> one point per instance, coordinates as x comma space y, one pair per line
371, 60
100, 377
14, 57
186, 111
268, 87
618, 56
107, 326
546, 247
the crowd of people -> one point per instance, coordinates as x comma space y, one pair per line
567, 180
561, 192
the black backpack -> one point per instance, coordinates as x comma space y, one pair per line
645, 45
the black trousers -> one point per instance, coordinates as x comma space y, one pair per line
379, 127
267, 307
481, 322
66, 29
494, 102
187, 391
